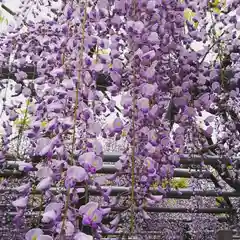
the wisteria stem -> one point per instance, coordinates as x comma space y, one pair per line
75, 113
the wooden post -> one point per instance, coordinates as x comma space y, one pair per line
224, 235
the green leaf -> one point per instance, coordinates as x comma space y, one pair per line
28, 102
195, 24
215, 5
1, 19
176, 183
219, 200
179, 183
189, 15
44, 123
22, 122
216, 10
103, 51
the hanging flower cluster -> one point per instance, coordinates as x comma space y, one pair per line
165, 86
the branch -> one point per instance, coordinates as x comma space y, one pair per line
223, 173
217, 185
211, 47
8, 10
171, 112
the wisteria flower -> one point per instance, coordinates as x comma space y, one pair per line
143, 105
44, 237
24, 166
68, 228
82, 236
126, 100
44, 184
153, 138
2, 158
150, 61
90, 161
149, 163
75, 174
20, 202
117, 125
55, 206
23, 188
91, 214
148, 89
95, 145
33, 234
44, 172
49, 216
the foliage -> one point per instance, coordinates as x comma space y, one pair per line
3, 19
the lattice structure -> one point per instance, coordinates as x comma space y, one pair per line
175, 213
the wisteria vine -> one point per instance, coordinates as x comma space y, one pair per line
143, 51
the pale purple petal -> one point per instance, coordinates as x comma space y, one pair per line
105, 211
57, 71
44, 237
156, 198
20, 202
33, 233
145, 215
149, 55
117, 125
88, 208
115, 221
24, 165
82, 236
148, 89
126, 101
143, 104
90, 159
77, 174
153, 38
49, 216
149, 163
44, 184
68, 227
44, 172
56, 206
23, 188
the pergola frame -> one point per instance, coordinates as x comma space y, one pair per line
11, 170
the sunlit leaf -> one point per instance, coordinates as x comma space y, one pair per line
103, 51
3, 19
155, 185
195, 24
44, 123
217, 5
219, 200
217, 10
28, 102
189, 15
175, 183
